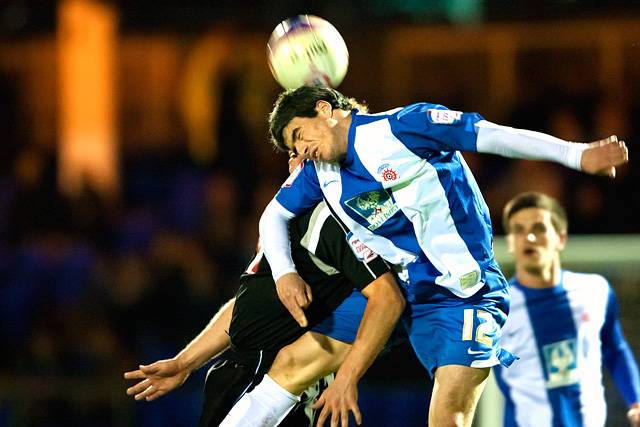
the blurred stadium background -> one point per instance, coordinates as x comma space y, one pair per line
134, 168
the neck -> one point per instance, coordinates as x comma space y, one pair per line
545, 277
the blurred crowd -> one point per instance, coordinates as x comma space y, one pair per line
92, 286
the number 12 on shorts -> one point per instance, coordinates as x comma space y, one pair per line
484, 329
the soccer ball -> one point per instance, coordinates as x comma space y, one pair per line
307, 50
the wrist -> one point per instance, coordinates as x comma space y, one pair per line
186, 361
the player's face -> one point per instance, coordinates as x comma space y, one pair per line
533, 241
315, 138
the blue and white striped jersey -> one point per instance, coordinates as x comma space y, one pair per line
406, 192
563, 336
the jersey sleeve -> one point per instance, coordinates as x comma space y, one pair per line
425, 128
529, 145
301, 191
274, 239
617, 355
355, 261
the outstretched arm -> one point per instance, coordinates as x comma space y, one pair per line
384, 306
618, 359
599, 157
163, 376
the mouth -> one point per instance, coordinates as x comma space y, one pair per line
529, 252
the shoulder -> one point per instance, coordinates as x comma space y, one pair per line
586, 279
590, 282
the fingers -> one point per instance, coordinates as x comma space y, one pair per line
356, 414
147, 393
150, 369
295, 295
135, 375
338, 417
335, 417
145, 390
298, 315
323, 414
307, 290
319, 403
138, 388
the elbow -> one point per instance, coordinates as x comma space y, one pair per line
399, 303
394, 300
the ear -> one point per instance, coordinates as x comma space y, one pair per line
510, 244
324, 109
562, 241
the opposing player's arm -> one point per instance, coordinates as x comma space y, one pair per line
618, 357
163, 376
371, 274
384, 305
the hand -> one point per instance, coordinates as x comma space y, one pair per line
295, 295
634, 415
338, 399
602, 157
157, 379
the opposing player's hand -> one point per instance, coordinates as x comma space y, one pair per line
340, 398
634, 415
156, 379
602, 157
295, 295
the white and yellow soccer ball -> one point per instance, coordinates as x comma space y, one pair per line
307, 50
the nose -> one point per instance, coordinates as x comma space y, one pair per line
302, 149
531, 237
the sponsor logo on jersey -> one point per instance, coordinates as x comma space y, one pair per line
361, 251
443, 117
375, 206
289, 182
560, 360
469, 280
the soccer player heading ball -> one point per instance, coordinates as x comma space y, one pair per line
398, 181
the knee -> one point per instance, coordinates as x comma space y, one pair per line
450, 417
286, 368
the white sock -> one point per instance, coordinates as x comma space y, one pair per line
266, 406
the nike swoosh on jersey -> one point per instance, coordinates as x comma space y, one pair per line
475, 351
329, 182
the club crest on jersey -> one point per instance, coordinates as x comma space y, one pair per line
289, 182
561, 362
360, 250
375, 206
389, 175
443, 117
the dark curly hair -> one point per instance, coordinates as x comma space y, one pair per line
301, 102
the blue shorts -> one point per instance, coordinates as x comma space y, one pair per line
451, 331
457, 332
344, 322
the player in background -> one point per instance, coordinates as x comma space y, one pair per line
253, 326
400, 184
564, 326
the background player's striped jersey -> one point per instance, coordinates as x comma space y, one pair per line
563, 336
